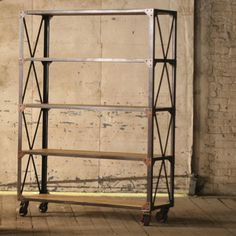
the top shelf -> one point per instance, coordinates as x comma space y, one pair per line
111, 60
99, 12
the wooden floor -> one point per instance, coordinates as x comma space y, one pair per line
191, 216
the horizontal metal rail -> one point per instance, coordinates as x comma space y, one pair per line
99, 12
113, 60
88, 107
162, 158
165, 60
161, 109
88, 12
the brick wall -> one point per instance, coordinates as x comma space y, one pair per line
215, 96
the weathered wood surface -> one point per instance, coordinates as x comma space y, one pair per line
190, 216
120, 202
86, 154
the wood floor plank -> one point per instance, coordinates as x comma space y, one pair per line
114, 222
179, 219
230, 203
70, 221
223, 214
83, 219
188, 214
213, 209
8, 222
60, 220
198, 219
129, 222
152, 229
98, 220
189, 217
24, 224
53, 219
39, 221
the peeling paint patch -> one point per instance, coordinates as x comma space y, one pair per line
105, 125
67, 122
140, 116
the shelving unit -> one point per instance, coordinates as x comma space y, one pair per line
150, 203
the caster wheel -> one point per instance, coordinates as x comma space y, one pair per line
23, 208
162, 215
146, 219
43, 207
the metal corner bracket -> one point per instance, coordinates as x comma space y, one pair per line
150, 63
149, 12
21, 154
147, 161
22, 14
21, 107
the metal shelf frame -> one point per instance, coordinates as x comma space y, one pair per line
150, 111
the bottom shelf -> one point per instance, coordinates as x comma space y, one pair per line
119, 202
104, 201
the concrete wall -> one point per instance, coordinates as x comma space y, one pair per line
215, 99
94, 83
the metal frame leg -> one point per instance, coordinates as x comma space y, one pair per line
20, 118
45, 100
147, 209
151, 106
162, 214
174, 67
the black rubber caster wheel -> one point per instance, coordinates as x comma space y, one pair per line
146, 218
43, 207
23, 208
162, 215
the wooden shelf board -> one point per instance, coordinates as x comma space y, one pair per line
119, 202
87, 154
88, 107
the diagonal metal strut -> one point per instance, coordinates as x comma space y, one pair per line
32, 54
31, 147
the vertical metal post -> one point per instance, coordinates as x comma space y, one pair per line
45, 100
151, 68
20, 101
172, 171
